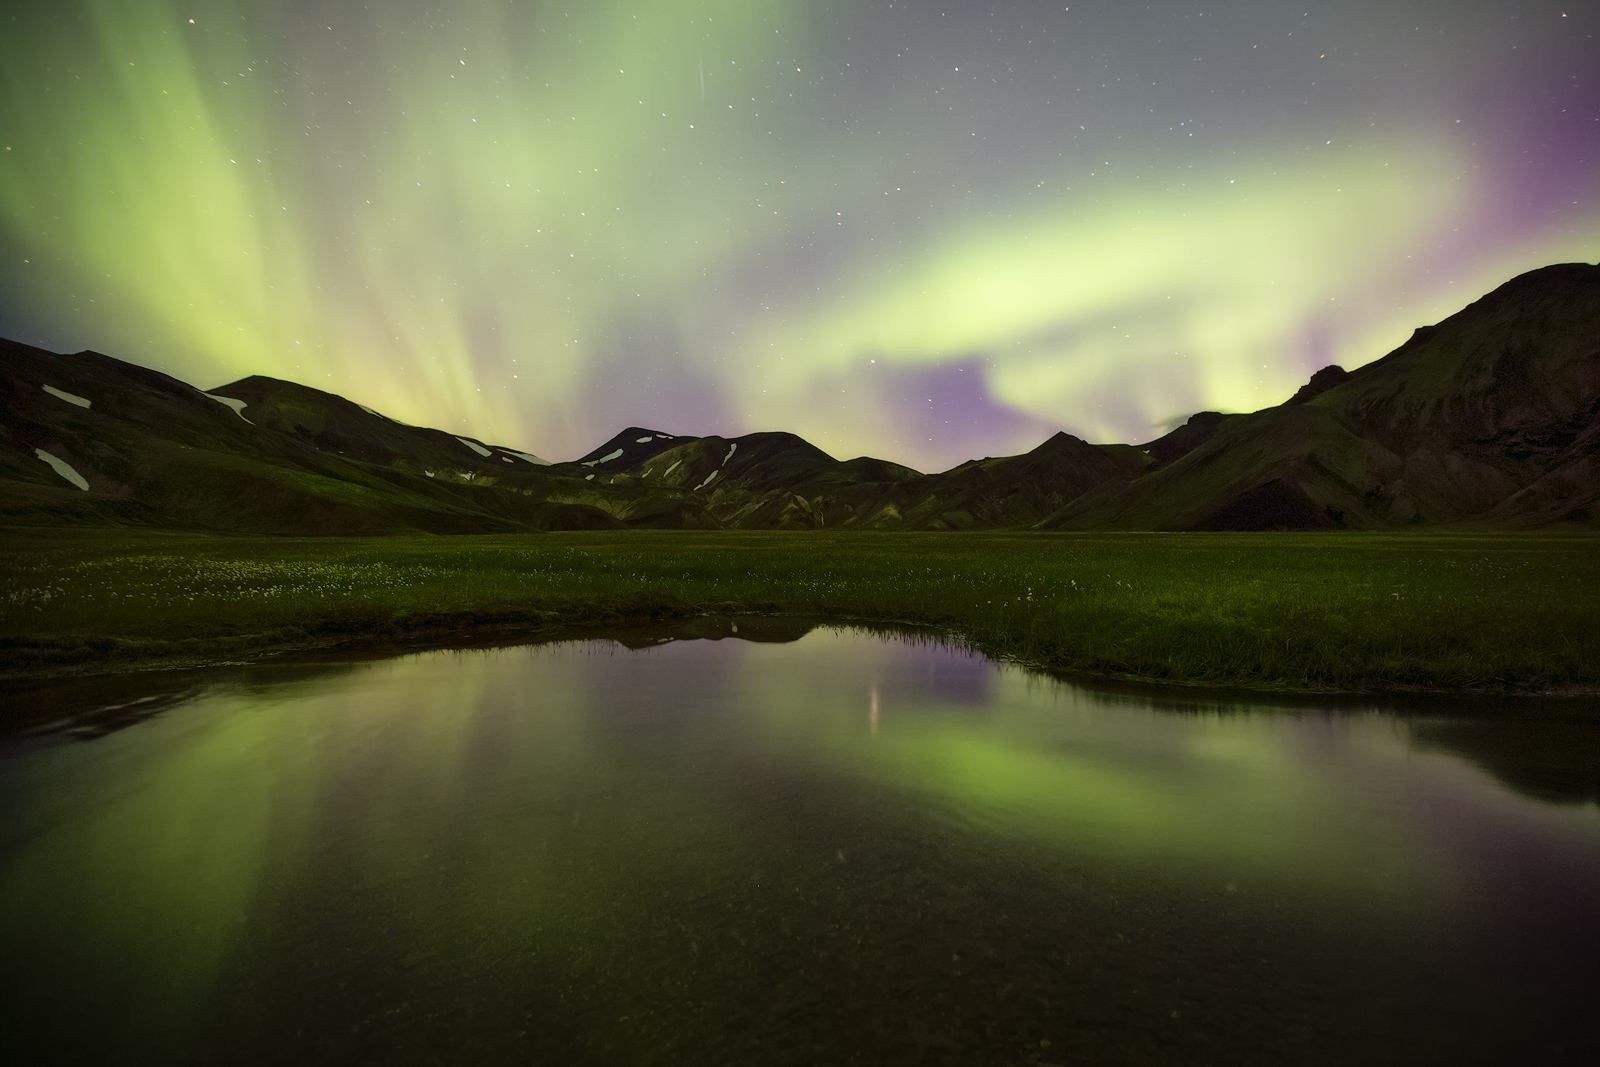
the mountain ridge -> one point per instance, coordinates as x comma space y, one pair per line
1490, 417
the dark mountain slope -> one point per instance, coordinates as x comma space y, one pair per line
1500, 397
758, 481
1296, 468
1186, 438
780, 481
332, 424
630, 448
1490, 416
1016, 490
1517, 371
754, 462
131, 446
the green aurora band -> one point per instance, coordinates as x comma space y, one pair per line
533, 222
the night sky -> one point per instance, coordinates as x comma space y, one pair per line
923, 231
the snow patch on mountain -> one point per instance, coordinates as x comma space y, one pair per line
63, 468
708, 480
238, 406
530, 457
732, 447
71, 398
475, 446
644, 440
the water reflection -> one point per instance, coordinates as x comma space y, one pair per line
1555, 759
802, 845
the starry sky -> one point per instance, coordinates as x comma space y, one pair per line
926, 231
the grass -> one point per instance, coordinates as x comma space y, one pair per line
1317, 612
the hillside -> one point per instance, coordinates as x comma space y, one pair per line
87, 439
1491, 416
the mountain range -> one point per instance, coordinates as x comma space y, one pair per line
1490, 418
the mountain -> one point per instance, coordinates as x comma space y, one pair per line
758, 481
1489, 418
87, 439
629, 448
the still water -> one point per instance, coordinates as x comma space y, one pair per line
784, 845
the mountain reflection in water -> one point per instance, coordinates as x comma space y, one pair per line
748, 840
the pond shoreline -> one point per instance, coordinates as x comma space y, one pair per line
475, 630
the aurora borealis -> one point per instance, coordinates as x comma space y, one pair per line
916, 230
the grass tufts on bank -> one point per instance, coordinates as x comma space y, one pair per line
1317, 612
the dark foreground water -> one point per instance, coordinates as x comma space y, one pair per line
836, 849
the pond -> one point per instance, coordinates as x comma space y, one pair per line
749, 841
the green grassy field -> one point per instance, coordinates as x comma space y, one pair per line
1318, 612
